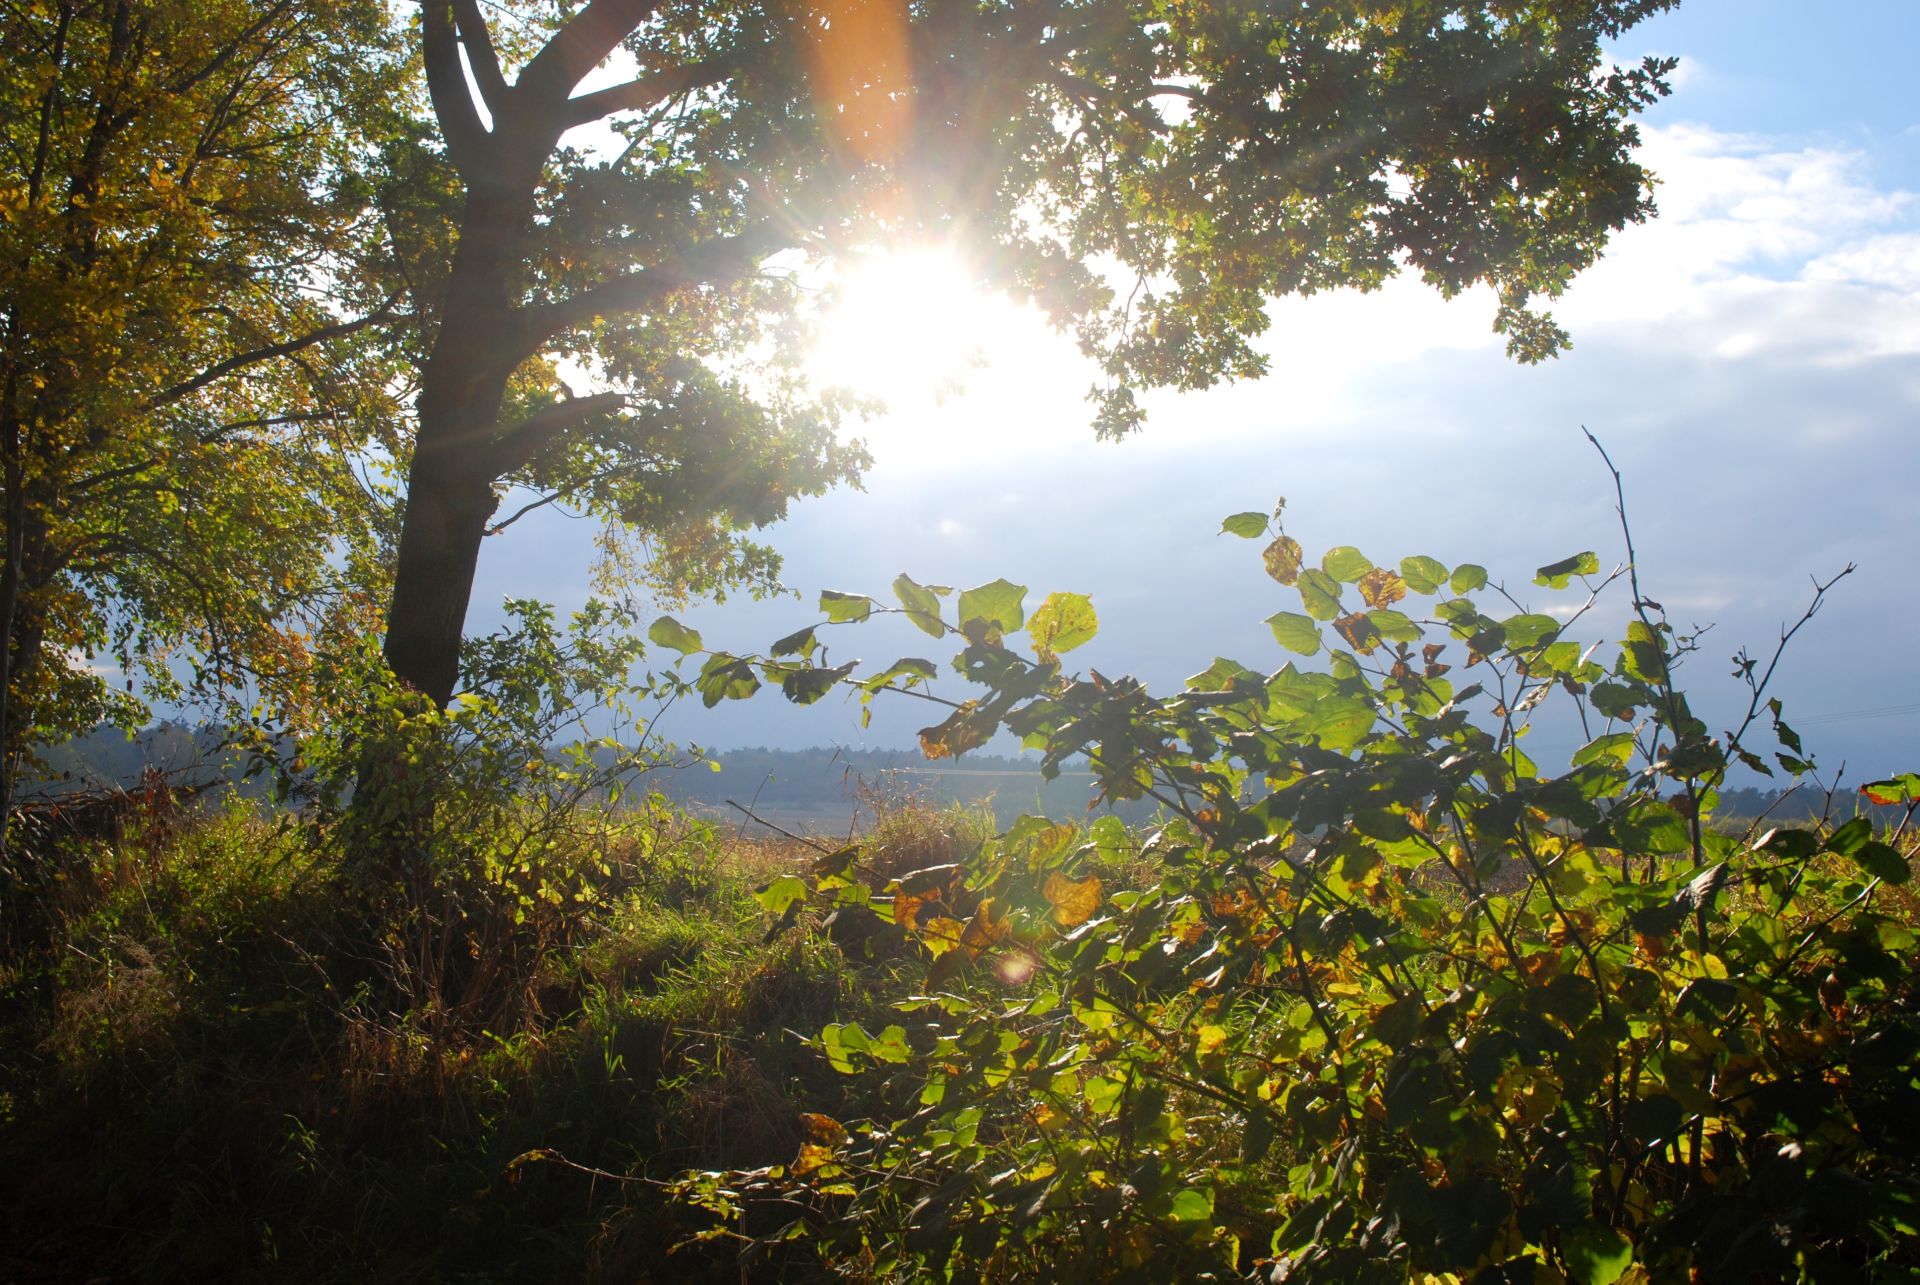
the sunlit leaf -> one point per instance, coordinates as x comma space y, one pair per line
1295, 632
845, 608
1423, 574
668, 632
1382, 588
1467, 577
1346, 563
1556, 574
1073, 900
922, 605
1248, 526
995, 607
1063, 622
1319, 594
1283, 559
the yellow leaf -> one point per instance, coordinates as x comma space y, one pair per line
823, 1129
1073, 901
941, 934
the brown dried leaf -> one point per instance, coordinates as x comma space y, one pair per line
1283, 558
1359, 632
1382, 588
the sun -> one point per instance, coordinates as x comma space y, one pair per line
905, 326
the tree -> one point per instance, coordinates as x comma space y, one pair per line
187, 366
1213, 154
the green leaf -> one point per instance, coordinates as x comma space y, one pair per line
797, 643
782, 892
1394, 626
922, 605
1597, 1255
845, 608
1617, 747
996, 604
1882, 861
1295, 632
1346, 563
1556, 574
1792, 844
726, 678
1320, 594
1529, 630
1467, 577
805, 686
1339, 722
1423, 574
1192, 1205
1063, 622
668, 632
1642, 655
1248, 526
1902, 789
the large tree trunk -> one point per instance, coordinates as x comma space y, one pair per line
447, 514
450, 496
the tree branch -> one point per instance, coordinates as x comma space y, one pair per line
494, 90
650, 91
220, 370
453, 104
580, 46
727, 258
516, 447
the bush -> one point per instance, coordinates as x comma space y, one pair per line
1397, 1003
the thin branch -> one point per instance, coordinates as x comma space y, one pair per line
272, 352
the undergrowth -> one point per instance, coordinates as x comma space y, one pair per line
203, 1077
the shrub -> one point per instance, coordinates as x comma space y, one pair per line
1397, 1002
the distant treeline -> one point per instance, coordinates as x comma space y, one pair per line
825, 783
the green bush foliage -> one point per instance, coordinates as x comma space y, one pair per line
1394, 1002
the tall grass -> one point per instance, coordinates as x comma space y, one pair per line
207, 1073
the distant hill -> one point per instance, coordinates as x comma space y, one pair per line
815, 789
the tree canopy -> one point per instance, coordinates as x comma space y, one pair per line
187, 372
1150, 174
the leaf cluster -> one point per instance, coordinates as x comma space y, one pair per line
1389, 1000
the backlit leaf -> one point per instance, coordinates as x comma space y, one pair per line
1283, 558
1382, 588
669, 632
1467, 577
1346, 563
1295, 632
1423, 574
1063, 622
996, 606
1073, 900
922, 605
845, 608
1248, 526
1320, 594
1555, 575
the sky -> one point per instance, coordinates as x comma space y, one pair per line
1750, 359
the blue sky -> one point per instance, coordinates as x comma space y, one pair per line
1751, 359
